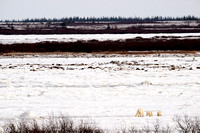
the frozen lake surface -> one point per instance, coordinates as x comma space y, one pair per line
107, 90
11, 39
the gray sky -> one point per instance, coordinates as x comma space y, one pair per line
19, 9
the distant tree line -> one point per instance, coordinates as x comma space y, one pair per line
105, 19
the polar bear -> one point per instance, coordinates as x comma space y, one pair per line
149, 113
159, 113
140, 113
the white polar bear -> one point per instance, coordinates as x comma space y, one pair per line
159, 113
140, 113
149, 113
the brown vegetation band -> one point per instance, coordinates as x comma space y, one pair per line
137, 44
105, 31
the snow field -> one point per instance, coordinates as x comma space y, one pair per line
12, 39
106, 90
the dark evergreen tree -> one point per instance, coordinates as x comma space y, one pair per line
105, 19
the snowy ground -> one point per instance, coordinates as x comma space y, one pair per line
11, 39
107, 90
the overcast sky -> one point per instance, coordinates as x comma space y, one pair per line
20, 9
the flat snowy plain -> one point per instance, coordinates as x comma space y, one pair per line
105, 88
12, 39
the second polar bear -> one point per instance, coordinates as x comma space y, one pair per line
149, 113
